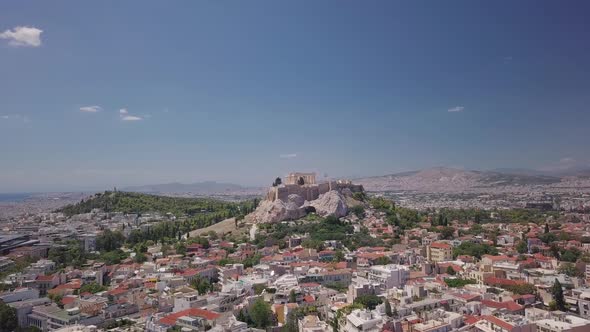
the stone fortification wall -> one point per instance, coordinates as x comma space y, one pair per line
309, 192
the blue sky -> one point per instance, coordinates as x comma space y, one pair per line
245, 91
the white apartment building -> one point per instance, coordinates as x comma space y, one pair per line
363, 321
389, 276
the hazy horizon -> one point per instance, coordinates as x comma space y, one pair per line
92, 98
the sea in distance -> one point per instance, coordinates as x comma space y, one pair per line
14, 197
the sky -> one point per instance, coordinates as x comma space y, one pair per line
101, 94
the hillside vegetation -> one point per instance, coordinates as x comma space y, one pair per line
128, 202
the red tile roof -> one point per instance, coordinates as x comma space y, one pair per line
497, 321
498, 258
440, 245
502, 282
508, 305
45, 278
194, 312
68, 300
117, 291
468, 319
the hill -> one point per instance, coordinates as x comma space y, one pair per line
198, 188
441, 179
128, 202
223, 227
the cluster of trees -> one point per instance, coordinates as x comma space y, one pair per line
358, 210
368, 301
71, 253
109, 240
459, 282
8, 319
523, 289
202, 285
441, 220
19, 266
92, 288
194, 214
68, 253
259, 314
474, 249
128, 202
569, 269
320, 230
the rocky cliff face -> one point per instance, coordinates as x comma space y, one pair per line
295, 207
330, 203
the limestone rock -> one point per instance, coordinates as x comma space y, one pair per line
330, 203
275, 211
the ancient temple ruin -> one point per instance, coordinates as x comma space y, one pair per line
305, 185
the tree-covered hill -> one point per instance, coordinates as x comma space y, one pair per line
127, 202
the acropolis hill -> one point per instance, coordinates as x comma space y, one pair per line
299, 194
305, 185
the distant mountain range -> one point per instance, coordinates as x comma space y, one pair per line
442, 179
437, 179
201, 188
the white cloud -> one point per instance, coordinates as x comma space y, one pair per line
288, 155
90, 109
123, 111
456, 109
567, 160
131, 118
17, 117
23, 36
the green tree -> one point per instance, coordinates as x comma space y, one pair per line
202, 285
383, 260
447, 232
291, 324
450, 270
180, 248
140, 258
548, 238
557, 293
358, 210
523, 289
92, 288
261, 313
388, 310
522, 247
368, 301
242, 316
109, 240
277, 182
8, 319
474, 249
569, 269
292, 296
570, 255
339, 256
56, 298
458, 282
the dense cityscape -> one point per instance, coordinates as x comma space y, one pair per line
339, 259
